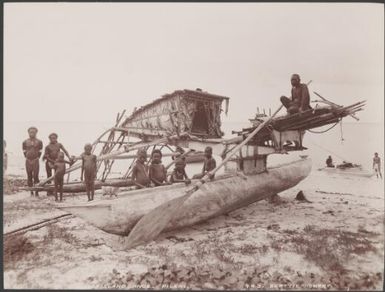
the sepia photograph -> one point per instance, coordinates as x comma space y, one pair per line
193, 146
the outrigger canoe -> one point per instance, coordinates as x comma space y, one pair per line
224, 194
191, 120
351, 171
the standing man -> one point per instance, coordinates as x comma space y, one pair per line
51, 153
300, 98
32, 148
377, 164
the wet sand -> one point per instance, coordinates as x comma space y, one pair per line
333, 242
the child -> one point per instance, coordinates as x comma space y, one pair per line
179, 174
209, 163
157, 172
140, 171
89, 169
60, 168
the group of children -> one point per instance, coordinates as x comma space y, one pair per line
143, 175
156, 173
54, 156
88, 171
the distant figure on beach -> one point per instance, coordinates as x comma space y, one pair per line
377, 164
300, 98
5, 157
60, 169
208, 165
140, 171
157, 172
51, 153
179, 173
32, 148
329, 162
89, 171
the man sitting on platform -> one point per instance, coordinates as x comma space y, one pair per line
300, 97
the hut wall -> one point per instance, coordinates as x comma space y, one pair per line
160, 116
175, 114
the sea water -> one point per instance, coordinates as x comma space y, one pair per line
355, 142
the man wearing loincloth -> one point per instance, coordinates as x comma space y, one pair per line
32, 151
300, 97
51, 152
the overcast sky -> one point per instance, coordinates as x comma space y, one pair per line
87, 61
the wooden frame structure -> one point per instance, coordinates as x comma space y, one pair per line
176, 120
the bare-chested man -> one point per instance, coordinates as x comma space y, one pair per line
300, 97
32, 151
51, 153
377, 164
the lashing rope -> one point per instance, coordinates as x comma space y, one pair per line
321, 132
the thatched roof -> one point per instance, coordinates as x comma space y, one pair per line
198, 93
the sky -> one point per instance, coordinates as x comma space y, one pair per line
84, 62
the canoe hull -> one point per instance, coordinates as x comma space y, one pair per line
348, 172
119, 216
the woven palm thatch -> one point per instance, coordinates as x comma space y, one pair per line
183, 111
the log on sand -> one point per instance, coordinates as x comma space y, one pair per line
78, 187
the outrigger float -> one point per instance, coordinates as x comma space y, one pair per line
348, 169
190, 119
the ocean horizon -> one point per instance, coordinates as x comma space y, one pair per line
356, 142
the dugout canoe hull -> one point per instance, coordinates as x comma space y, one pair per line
223, 195
354, 171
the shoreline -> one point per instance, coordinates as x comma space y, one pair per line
335, 241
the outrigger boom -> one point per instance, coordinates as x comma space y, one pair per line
190, 120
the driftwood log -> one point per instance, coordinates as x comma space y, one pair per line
78, 187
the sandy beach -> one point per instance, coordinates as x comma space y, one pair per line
333, 242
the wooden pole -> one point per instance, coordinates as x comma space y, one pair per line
114, 154
333, 104
181, 156
152, 224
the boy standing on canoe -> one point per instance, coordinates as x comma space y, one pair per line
89, 170
140, 171
179, 174
157, 172
32, 151
60, 169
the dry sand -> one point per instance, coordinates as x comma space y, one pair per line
335, 241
